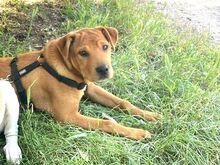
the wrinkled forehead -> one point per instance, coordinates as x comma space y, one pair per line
88, 36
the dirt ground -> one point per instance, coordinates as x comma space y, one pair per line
201, 15
17, 19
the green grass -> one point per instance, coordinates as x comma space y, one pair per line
157, 66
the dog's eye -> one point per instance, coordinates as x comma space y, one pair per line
84, 53
105, 47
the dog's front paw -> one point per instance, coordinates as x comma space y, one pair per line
13, 153
147, 115
152, 116
139, 134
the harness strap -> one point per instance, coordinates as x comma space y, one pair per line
17, 74
63, 79
16, 79
29, 68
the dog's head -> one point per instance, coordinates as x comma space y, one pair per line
89, 51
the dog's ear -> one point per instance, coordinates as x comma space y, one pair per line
64, 43
111, 35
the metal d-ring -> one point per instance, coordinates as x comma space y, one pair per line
8, 78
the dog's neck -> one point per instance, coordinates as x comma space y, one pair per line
56, 61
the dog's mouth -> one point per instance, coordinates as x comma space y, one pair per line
103, 77
100, 77
97, 77
99, 74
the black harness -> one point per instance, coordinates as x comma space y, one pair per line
16, 75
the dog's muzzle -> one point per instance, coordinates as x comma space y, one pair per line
103, 71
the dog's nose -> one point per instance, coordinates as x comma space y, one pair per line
103, 70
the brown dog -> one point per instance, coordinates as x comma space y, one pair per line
83, 56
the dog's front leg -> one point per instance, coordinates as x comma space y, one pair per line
99, 95
11, 149
103, 125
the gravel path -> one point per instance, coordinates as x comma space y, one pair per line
201, 15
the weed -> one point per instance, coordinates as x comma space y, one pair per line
156, 67
33, 15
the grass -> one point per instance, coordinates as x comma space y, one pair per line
157, 66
